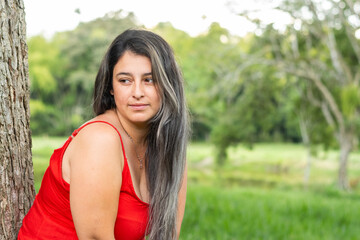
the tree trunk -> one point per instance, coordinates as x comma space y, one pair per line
307, 170
16, 172
306, 141
345, 149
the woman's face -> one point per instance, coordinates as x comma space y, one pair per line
136, 96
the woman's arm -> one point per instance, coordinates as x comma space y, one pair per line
181, 203
96, 163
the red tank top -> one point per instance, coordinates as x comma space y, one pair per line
50, 215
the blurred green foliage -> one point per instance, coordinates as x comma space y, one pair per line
234, 92
63, 70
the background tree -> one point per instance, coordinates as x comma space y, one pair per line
255, 105
320, 47
313, 128
63, 71
201, 59
16, 172
46, 71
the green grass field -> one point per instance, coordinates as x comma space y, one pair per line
258, 194
253, 213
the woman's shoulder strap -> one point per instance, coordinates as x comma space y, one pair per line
99, 121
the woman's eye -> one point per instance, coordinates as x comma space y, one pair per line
124, 80
149, 80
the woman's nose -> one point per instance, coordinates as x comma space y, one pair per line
138, 90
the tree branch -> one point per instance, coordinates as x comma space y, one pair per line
308, 73
351, 6
350, 33
312, 99
317, 22
295, 45
357, 78
334, 53
325, 110
304, 129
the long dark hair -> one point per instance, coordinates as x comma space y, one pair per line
168, 129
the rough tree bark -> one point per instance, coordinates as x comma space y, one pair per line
16, 172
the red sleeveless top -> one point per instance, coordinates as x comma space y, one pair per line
50, 215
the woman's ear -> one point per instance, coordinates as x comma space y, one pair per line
112, 92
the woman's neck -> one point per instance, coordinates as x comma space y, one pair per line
136, 132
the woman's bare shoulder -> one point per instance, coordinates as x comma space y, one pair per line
98, 132
97, 141
100, 128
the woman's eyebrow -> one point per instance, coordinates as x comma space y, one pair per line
129, 74
123, 73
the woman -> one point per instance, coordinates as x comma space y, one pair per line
121, 175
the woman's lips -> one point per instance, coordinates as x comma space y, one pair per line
138, 106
